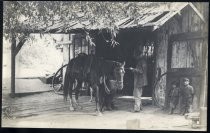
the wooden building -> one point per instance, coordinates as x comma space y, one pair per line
185, 42
174, 42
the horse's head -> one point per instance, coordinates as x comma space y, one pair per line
119, 71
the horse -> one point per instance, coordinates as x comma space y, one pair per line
96, 71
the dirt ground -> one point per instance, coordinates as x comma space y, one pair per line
47, 110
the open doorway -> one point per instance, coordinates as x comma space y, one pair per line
128, 39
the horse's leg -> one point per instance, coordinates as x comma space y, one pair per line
102, 102
103, 105
112, 105
101, 98
79, 85
91, 95
70, 96
109, 101
97, 98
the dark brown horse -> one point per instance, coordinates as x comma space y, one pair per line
96, 71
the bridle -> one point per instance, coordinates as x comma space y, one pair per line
107, 90
120, 70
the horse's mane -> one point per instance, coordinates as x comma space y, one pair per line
101, 65
82, 54
114, 62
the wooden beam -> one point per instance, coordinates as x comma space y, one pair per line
52, 31
188, 36
196, 11
169, 54
204, 85
65, 43
155, 68
13, 46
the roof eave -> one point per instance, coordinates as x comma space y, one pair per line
197, 12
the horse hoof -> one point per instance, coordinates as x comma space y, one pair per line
71, 109
102, 110
115, 108
108, 109
99, 114
75, 108
80, 107
91, 101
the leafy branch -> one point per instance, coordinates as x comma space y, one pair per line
19, 15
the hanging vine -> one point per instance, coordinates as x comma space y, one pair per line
24, 16
89, 38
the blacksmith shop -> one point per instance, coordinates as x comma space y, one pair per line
174, 40
174, 44
80, 60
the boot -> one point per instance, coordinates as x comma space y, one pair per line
171, 111
141, 108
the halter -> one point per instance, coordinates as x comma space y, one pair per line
120, 68
107, 90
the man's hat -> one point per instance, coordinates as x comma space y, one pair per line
186, 79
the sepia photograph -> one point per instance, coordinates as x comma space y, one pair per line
105, 65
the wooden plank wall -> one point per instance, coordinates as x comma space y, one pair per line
163, 34
187, 21
204, 85
187, 54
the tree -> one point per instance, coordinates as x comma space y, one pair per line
23, 17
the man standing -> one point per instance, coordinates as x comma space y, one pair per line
187, 94
140, 77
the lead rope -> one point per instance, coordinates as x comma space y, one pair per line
106, 88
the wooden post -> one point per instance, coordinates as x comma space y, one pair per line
13, 46
88, 43
155, 67
69, 48
203, 93
66, 53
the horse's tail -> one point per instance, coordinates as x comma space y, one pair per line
66, 84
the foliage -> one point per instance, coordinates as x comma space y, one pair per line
42, 55
19, 15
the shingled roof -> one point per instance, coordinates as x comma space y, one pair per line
153, 17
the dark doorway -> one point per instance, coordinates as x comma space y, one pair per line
124, 52
149, 53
